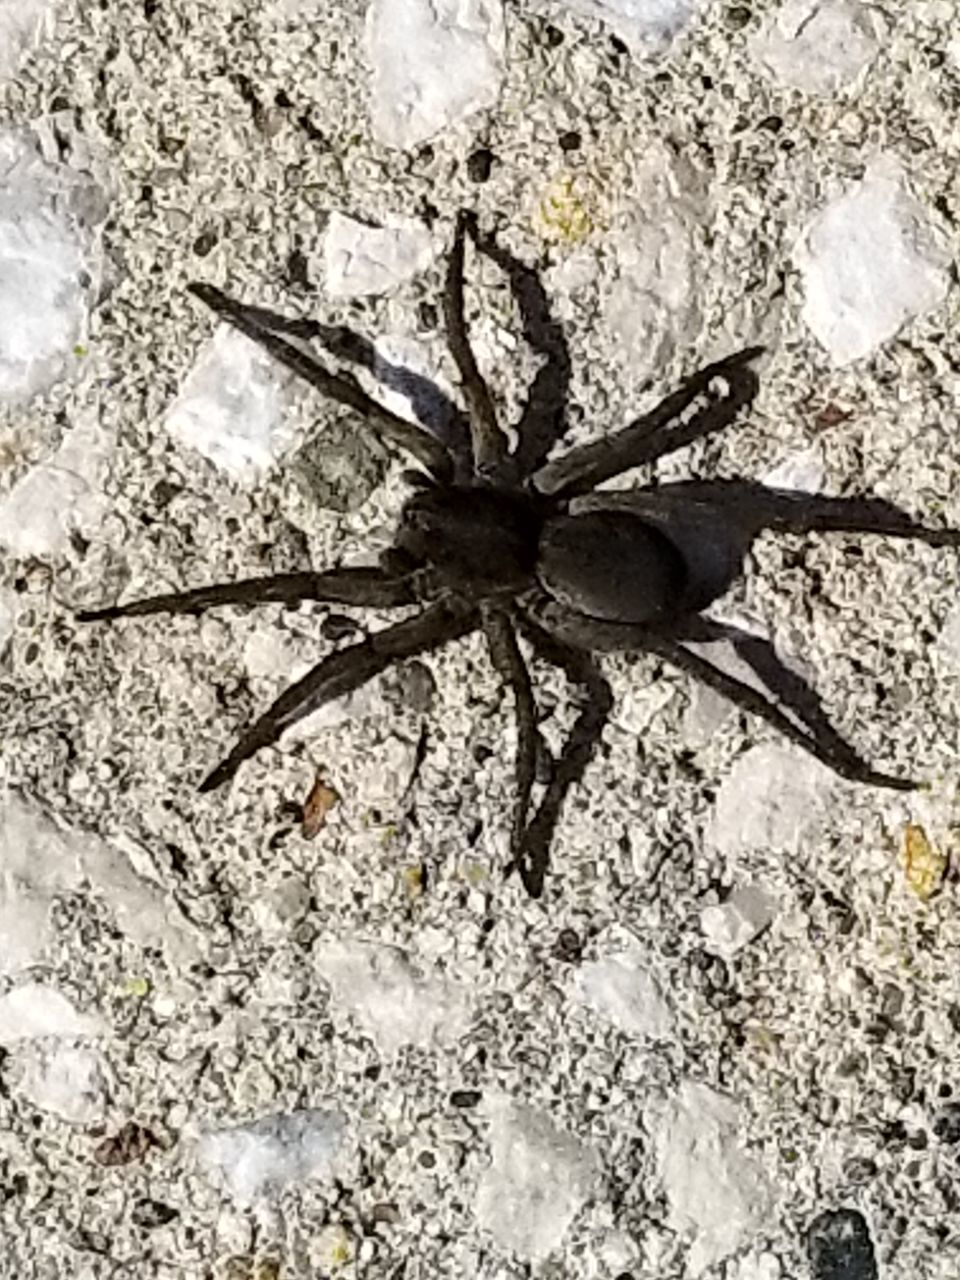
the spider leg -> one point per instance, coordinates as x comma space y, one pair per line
594, 634
789, 688
343, 388
542, 421
793, 512
359, 586
441, 416
489, 442
658, 432
532, 846
340, 673
508, 660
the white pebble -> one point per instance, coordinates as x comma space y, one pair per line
870, 261
433, 63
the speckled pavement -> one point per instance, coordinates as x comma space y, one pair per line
724, 1043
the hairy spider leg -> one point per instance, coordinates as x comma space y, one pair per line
357, 586
750, 507
340, 673
532, 850
543, 419
343, 388
428, 401
508, 661
489, 442
589, 633
658, 432
787, 686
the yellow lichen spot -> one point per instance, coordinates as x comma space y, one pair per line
267, 1269
562, 213
79, 350
137, 988
475, 874
388, 834
414, 880
335, 1247
923, 863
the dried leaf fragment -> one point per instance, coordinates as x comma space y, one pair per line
128, 1144
923, 863
319, 802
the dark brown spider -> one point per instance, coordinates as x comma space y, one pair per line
511, 542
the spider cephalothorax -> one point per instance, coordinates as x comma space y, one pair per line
510, 542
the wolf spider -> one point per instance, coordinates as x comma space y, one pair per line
510, 542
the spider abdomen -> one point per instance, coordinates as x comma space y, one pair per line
611, 565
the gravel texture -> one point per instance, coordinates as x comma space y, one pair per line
724, 1042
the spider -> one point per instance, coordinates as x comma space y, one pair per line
515, 542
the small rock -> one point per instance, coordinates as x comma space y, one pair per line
465, 1098
774, 797
737, 921
538, 1180
231, 406
647, 26
50, 256
66, 1081
947, 646
150, 1214
39, 859
33, 1011
946, 1126
393, 1003
713, 1188
360, 260
382, 781
9, 611
840, 1248
480, 165
803, 472
757, 1266
433, 62
282, 904
128, 1145
334, 1247
59, 497
619, 988
652, 302
23, 26
338, 468
819, 46
259, 1160
870, 262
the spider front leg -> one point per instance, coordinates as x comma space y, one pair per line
542, 420
340, 673
658, 432
357, 586
666, 644
264, 328
489, 442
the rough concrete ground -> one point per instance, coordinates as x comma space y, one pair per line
724, 1042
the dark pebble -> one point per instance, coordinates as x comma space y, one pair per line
480, 165
570, 141
465, 1097
337, 626
153, 1213
946, 1126
840, 1248
568, 946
